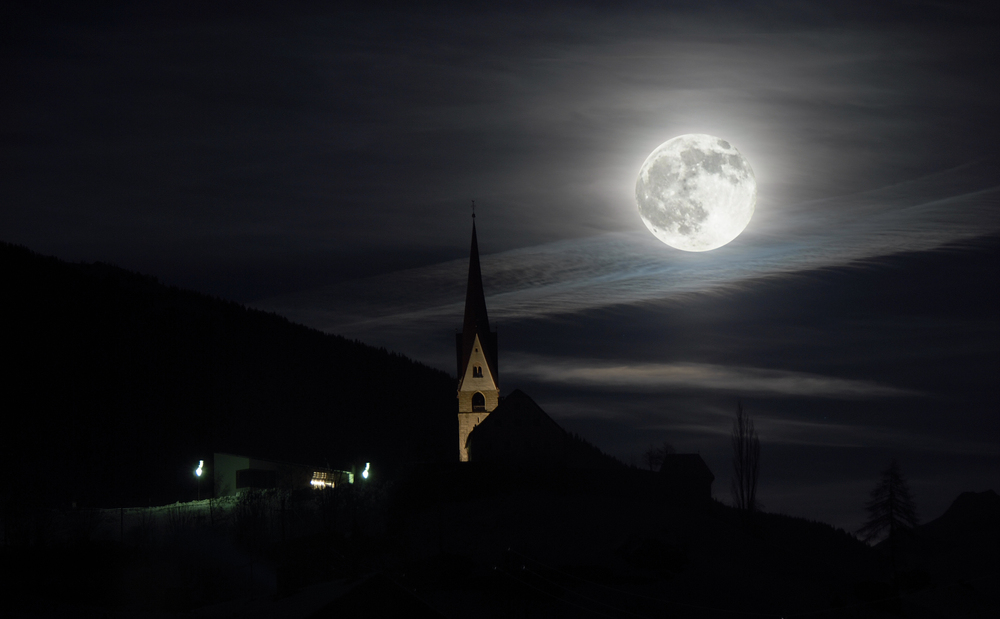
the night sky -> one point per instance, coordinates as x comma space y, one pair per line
320, 163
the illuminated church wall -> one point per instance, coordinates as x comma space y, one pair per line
478, 390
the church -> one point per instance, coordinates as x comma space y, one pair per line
511, 430
514, 430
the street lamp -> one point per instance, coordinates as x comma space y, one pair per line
197, 473
364, 473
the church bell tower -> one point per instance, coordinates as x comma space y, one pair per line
476, 350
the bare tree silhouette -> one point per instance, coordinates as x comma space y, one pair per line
746, 461
652, 457
891, 511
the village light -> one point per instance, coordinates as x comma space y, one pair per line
322, 479
364, 473
197, 473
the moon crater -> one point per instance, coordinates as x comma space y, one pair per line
696, 192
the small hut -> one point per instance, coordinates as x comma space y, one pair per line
686, 478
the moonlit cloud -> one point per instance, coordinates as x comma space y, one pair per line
840, 435
799, 433
565, 277
625, 377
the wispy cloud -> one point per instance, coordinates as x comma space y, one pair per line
570, 276
700, 376
690, 422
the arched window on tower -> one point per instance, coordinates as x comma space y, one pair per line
478, 403
477, 371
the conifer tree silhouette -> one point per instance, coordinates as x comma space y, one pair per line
891, 511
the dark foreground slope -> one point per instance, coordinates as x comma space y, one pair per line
461, 541
618, 546
117, 385
963, 543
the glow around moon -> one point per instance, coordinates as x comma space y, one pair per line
696, 192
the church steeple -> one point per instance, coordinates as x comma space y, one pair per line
476, 353
477, 320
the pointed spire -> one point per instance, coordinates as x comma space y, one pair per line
476, 321
476, 318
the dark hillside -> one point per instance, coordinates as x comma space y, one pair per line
116, 385
620, 548
964, 541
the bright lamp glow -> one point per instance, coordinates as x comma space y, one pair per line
201, 467
364, 473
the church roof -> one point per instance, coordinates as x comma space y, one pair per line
519, 432
476, 321
518, 409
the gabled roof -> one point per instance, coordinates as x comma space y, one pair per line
476, 321
519, 432
518, 411
688, 466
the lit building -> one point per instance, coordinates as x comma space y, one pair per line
233, 473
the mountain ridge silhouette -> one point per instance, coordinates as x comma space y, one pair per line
120, 384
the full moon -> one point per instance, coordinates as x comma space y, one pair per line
696, 192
